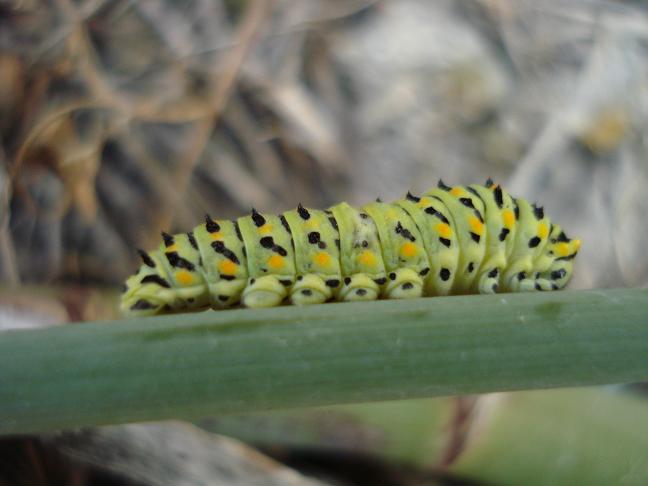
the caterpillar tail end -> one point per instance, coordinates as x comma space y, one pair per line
139, 300
140, 307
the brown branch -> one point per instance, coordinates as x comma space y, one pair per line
245, 36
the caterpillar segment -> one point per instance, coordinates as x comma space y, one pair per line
361, 262
270, 259
317, 256
468, 215
499, 238
438, 232
224, 262
532, 234
450, 240
402, 251
181, 261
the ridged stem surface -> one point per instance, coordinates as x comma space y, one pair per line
193, 365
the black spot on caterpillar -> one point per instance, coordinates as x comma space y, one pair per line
156, 279
427, 245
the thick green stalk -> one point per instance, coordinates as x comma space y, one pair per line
244, 360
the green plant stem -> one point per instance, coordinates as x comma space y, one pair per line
187, 366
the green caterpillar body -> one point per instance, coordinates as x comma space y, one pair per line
451, 240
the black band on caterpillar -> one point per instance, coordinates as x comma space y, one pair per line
450, 240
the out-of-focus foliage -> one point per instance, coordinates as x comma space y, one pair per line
160, 454
122, 118
119, 119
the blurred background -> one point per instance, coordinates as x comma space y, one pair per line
119, 119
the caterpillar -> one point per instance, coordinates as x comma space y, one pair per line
450, 240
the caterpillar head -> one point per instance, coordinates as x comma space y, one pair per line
562, 251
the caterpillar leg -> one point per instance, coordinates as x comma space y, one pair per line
142, 307
358, 287
266, 291
191, 298
226, 293
403, 283
543, 284
521, 283
488, 281
558, 274
310, 289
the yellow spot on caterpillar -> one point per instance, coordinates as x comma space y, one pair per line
367, 258
216, 236
562, 249
171, 249
456, 191
508, 218
543, 230
322, 259
184, 277
312, 224
227, 266
265, 229
391, 214
408, 250
424, 202
444, 230
476, 226
276, 262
